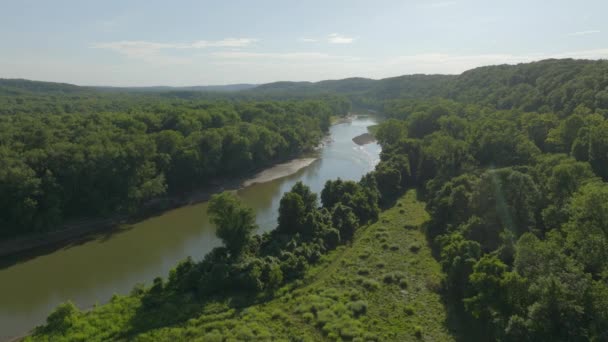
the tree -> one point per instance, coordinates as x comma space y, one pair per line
292, 213
506, 199
496, 293
235, 223
344, 220
389, 181
458, 256
587, 228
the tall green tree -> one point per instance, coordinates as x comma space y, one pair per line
234, 222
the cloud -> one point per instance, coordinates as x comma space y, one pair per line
135, 48
225, 65
441, 4
308, 40
286, 56
152, 52
336, 38
582, 33
454, 64
228, 42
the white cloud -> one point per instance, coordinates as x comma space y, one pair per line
152, 51
308, 40
441, 4
228, 66
287, 56
134, 48
336, 38
434, 63
583, 33
228, 42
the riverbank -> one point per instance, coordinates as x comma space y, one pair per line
336, 120
85, 229
90, 269
279, 171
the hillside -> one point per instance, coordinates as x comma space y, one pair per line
382, 287
557, 85
511, 161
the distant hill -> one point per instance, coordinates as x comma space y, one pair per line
549, 85
158, 89
20, 86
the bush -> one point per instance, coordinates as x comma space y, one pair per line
213, 336
418, 331
358, 307
363, 272
331, 237
62, 318
393, 277
368, 284
409, 310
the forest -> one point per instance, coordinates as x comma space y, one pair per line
511, 163
79, 155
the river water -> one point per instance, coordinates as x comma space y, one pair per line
93, 271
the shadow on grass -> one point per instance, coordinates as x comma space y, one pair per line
164, 310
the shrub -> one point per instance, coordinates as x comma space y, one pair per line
393, 277
418, 331
213, 336
325, 316
331, 237
62, 318
358, 307
363, 272
308, 316
409, 310
368, 284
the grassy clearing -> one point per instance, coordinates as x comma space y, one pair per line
383, 287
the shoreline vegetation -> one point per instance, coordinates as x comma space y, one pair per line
82, 230
62, 184
85, 229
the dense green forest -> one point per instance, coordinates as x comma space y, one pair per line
512, 163
70, 153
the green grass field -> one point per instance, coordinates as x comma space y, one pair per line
383, 287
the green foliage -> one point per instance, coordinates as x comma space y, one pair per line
292, 214
112, 154
511, 161
345, 220
514, 187
362, 198
62, 318
587, 229
234, 222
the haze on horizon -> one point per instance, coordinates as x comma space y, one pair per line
182, 43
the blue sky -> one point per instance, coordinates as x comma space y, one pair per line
142, 43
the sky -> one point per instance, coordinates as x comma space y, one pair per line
188, 42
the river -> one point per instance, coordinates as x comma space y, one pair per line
93, 271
